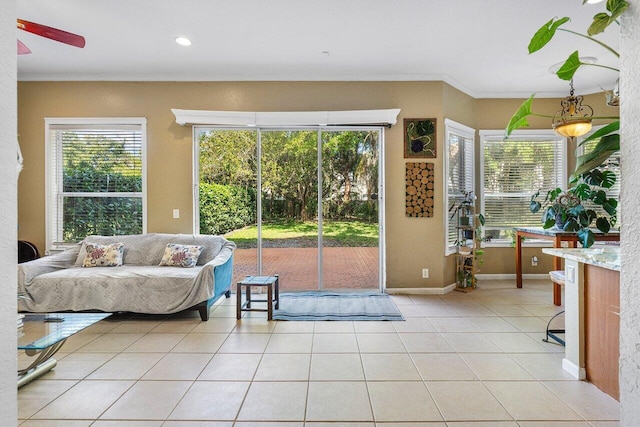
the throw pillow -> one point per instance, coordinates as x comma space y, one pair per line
103, 255
181, 255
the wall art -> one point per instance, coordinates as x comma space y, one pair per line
419, 138
419, 179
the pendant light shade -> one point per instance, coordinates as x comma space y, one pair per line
574, 119
573, 128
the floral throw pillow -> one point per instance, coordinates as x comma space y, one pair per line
103, 255
181, 255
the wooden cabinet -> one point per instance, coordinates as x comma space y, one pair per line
602, 328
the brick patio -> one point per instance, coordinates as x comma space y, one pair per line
345, 268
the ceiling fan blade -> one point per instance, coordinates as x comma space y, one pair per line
23, 49
51, 33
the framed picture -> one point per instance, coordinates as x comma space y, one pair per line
419, 138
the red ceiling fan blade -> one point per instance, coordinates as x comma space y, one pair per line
23, 49
51, 33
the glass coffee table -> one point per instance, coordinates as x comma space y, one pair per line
43, 334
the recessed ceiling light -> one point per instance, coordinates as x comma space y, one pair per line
584, 59
183, 41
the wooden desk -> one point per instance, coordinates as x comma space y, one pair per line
557, 237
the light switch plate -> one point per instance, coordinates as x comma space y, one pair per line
571, 274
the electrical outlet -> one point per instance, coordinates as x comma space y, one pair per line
425, 273
534, 261
176, 213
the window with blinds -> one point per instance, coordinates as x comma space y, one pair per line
458, 173
95, 174
512, 170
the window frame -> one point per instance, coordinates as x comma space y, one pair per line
466, 132
533, 134
51, 182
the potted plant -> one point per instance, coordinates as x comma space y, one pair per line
590, 178
466, 279
463, 208
561, 208
566, 210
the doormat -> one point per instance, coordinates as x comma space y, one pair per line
336, 306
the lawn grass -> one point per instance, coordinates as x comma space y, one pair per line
297, 233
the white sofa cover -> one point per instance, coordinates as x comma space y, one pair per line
140, 285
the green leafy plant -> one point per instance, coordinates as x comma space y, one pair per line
566, 209
589, 180
466, 279
567, 70
463, 206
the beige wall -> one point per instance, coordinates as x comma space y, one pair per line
412, 243
495, 114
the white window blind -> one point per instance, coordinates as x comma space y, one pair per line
459, 173
512, 170
95, 174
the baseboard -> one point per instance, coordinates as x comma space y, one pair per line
574, 370
421, 291
511, 276
449, 288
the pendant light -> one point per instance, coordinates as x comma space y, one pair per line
574, 119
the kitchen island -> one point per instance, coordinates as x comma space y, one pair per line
592, 315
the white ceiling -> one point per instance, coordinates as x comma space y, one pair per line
478, 46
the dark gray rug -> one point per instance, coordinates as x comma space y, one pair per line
337, 306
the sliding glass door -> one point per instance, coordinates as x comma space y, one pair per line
289, 188
348, 218
300, 203
225, 182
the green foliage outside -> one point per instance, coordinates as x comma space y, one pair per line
99, 166
107, 216
335, 233
88, 180
289, 172
225, 207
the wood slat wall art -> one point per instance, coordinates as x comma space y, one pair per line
419, 179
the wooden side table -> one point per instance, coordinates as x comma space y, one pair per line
272, 283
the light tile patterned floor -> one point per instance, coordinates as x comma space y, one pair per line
459, 360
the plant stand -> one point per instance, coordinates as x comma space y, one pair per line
467, 243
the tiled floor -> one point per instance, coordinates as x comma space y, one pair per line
458, 360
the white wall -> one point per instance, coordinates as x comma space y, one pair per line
630, 285
8, 214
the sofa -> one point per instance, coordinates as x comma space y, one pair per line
73, 281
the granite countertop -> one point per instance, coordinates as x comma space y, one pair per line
605, 257
555, 232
